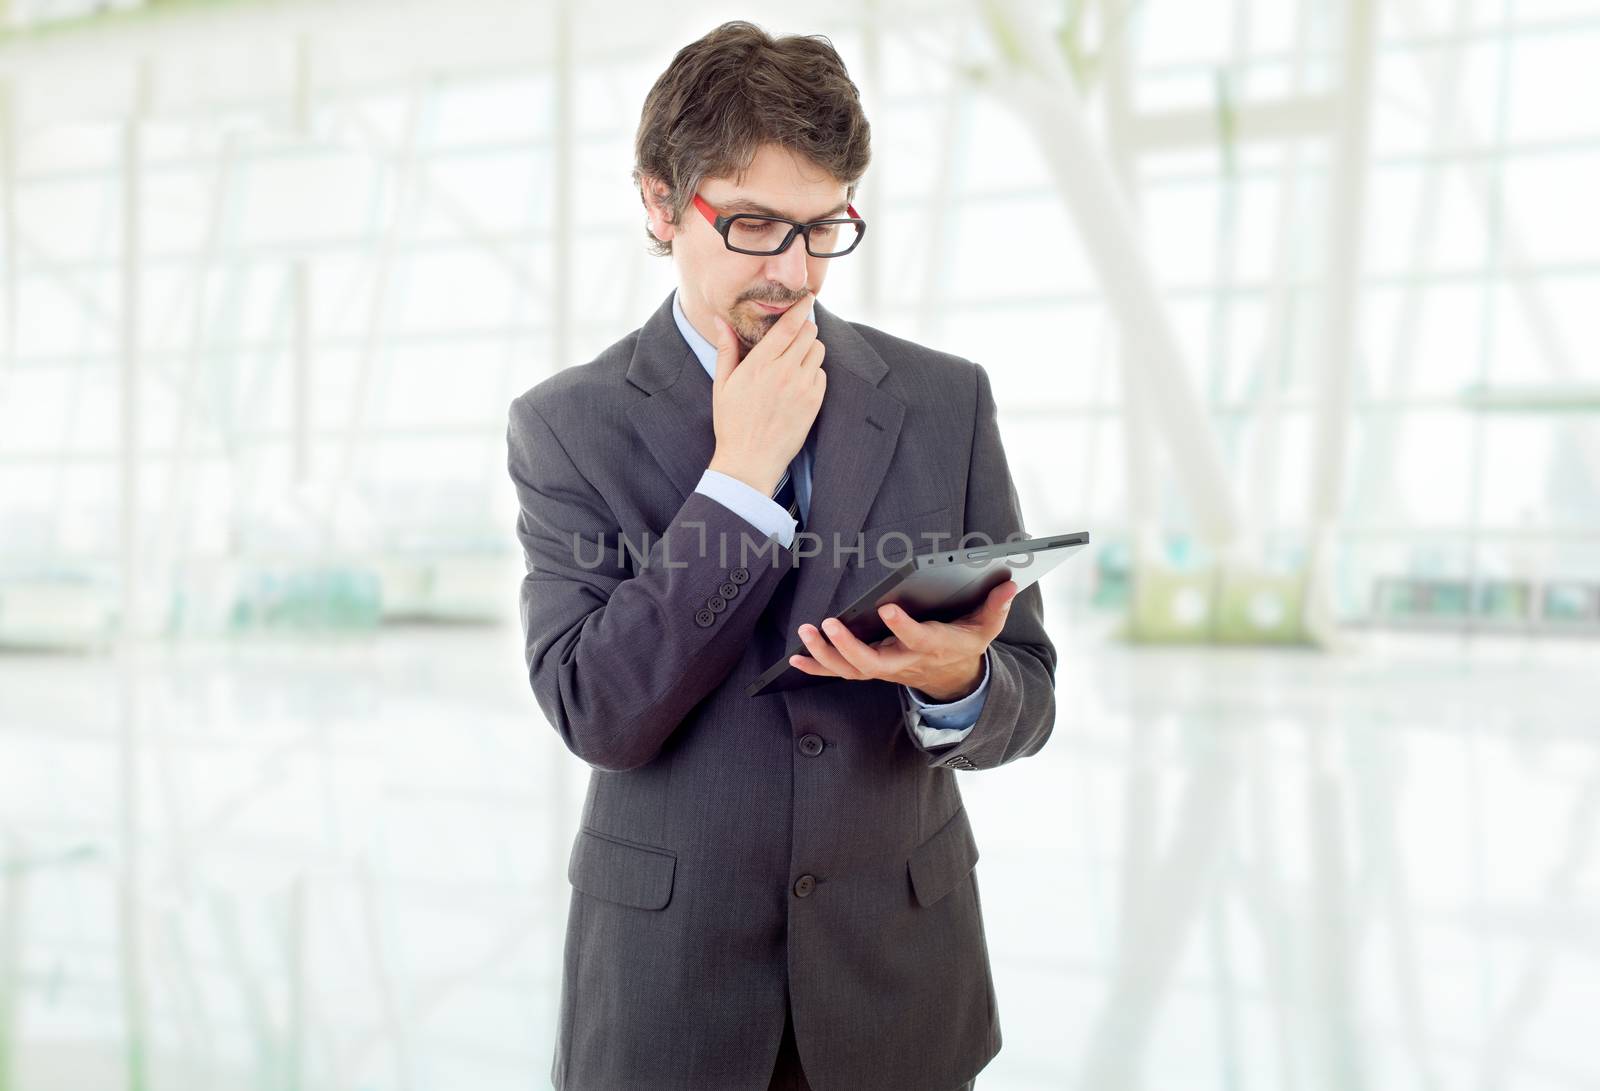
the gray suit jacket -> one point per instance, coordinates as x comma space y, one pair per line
733, 847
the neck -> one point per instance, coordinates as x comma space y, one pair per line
704, 323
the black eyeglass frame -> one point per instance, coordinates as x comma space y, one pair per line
721, 223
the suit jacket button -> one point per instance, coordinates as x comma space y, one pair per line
728, 589
717, 604
740, 576
804, 886
704, 617
811, 745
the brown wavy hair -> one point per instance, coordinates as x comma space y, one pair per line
735, 89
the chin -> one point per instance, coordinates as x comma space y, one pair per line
752, 331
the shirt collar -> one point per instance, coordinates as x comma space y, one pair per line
704, 350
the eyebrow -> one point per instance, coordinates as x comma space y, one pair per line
762, 210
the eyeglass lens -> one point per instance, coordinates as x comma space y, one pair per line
758, 233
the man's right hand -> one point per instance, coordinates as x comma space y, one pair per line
762, 406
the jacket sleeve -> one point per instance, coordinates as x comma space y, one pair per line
624, 635
941, 723
762, 511
1019, 709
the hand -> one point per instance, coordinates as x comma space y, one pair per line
943, 659
762, 406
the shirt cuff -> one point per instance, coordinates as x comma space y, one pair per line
951, 721
765, 513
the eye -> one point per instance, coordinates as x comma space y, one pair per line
755, 229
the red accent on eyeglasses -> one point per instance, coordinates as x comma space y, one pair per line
712, 214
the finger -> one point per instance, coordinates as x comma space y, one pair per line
997, 607
790, 323
813, 356
727, 349
800, 308
907, 629
862, 656
808, 665
825, 653
795, 353
989, 618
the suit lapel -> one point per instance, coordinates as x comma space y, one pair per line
675, 421
857, 427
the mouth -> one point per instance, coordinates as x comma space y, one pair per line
771, 308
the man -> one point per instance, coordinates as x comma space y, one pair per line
773, 891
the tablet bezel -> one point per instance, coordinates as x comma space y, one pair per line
861, 616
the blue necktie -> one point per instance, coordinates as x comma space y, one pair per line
785, 496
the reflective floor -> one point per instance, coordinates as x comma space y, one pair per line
345, 864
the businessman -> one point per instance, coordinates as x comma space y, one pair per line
775, 891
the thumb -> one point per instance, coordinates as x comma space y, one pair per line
727, 349
1003, 594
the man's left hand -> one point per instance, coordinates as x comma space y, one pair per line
942, 659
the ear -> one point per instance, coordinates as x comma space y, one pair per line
653, 192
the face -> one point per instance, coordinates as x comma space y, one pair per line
751, 292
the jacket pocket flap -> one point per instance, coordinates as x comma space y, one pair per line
944, 859
621, 871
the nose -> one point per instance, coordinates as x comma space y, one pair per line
789, 267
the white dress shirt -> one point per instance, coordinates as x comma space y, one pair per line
933, 723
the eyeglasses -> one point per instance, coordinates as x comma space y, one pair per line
749, 233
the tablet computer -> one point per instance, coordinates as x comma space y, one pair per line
941, 586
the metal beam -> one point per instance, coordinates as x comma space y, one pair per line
383, 262
1513, 261
130, 909
1341, 312
1267, 403
1375, 480
300, 317
564, 167
1036, 83
943, 208
1138, 435
9, 295
13, 912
